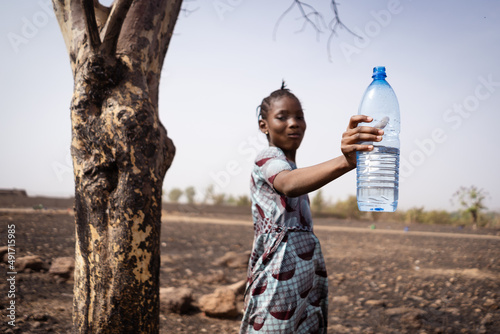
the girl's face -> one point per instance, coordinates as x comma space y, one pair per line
285, 125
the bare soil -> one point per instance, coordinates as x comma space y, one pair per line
383, 279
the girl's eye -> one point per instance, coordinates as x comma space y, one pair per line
281, 118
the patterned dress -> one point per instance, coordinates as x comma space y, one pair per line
287, 290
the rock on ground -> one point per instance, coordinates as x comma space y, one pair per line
63, 267
32, 262
221, 303
234, 260
176, 300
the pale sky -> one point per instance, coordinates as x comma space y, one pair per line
441, 59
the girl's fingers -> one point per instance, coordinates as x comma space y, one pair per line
365, 137
356, 119
364, 129
364, 147
353, 148
354, 136
369, 129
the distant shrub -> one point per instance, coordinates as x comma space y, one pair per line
494, 221
489, 219
174, 195
243, 201
219, 199
190, 193
414, 215
318, 203
346, 209
437, 217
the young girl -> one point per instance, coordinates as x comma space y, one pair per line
287, 290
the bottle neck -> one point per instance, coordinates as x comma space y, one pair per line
379, 73
379, 76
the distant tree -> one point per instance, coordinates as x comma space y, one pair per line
213, 197
348, 208
415, 215
231, 200
190, 192
219, 199
437, 217
243, 201
318, 202
471, 199
209, 194
174, 195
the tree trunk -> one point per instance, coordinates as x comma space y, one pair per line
121, 153
474, 213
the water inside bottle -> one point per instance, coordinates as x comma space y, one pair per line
378, 179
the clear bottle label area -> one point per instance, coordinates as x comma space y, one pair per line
378, 179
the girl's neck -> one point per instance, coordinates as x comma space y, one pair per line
290, 154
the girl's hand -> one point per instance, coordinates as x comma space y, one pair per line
355, 134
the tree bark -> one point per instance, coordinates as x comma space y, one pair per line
120, 153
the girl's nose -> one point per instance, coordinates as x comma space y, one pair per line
292, 122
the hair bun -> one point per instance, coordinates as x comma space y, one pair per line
265, 106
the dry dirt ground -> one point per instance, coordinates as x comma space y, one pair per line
430, 279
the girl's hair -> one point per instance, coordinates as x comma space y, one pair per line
264, 107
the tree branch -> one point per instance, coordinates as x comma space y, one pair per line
186, 11
91, 25
312, 12
113, 26
314, 19
281, 18
101, 15
61, 11
334, 24
337, 22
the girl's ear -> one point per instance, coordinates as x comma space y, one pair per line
263, 126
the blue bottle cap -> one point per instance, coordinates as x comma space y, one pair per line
379, 72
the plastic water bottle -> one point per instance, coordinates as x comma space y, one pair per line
378, 170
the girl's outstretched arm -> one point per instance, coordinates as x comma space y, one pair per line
304, 180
